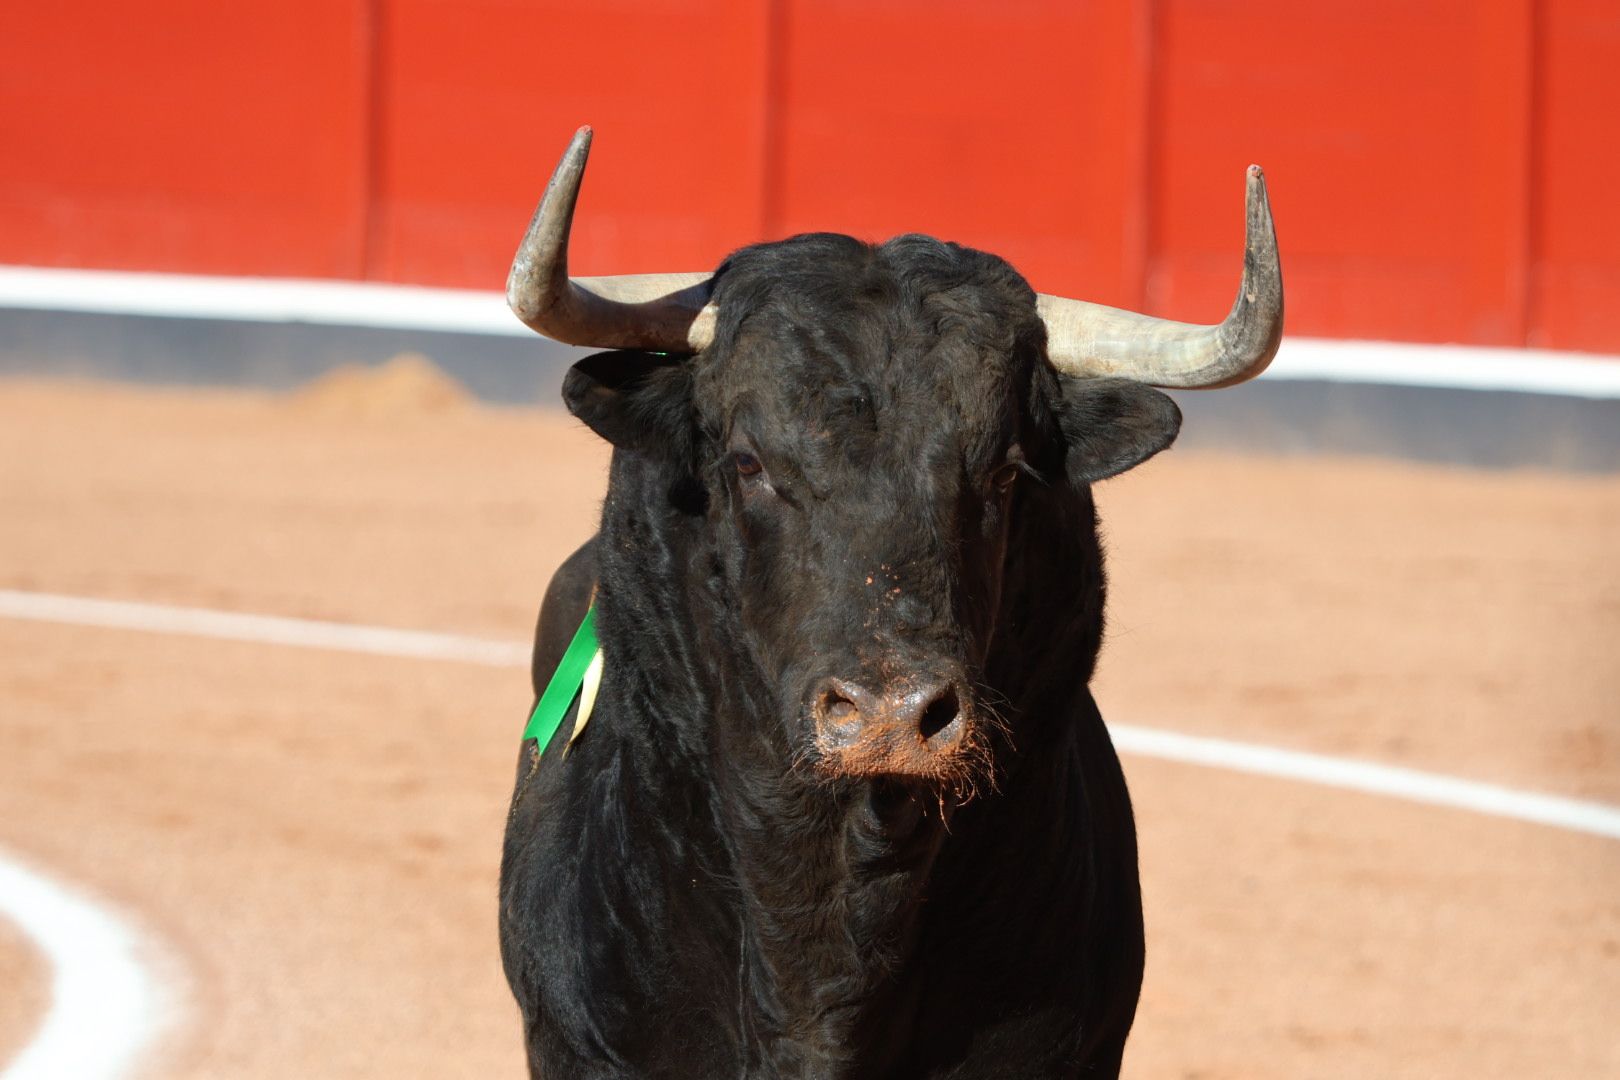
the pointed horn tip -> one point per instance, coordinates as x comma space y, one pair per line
556, 207
570, 167
579, 149
1255, 181
1261, 227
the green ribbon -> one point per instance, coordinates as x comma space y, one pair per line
565, 683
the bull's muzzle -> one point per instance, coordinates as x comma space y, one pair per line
916, 728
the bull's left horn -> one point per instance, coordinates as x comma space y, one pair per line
1092, 339
656, 312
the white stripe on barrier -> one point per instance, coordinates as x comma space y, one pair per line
1345, 773
106, 1009
1451, 367
465, 311
194, 296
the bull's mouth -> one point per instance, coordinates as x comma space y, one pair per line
898, 808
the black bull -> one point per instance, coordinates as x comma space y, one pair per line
845, 806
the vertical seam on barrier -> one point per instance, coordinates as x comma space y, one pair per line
374, 142
1145, 26
775, 150
1532, 316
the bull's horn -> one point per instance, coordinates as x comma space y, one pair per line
656, 312
1091, 339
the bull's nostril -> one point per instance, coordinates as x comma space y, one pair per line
837, 706
940, 714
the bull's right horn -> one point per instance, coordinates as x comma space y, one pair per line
1091, 339
656, 312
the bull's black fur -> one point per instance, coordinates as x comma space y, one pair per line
685, 894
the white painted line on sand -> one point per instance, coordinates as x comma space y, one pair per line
467, 311
1349, 774
259, 629
1392, 781
106, 1009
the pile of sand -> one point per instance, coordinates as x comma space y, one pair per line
407, 385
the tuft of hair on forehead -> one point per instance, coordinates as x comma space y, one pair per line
833, 350
828, 308
816, 279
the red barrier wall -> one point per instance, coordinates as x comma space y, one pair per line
206, 136
1441, 170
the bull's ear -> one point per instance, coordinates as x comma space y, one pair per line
1113, 424
637, 400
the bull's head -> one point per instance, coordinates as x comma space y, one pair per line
856, 424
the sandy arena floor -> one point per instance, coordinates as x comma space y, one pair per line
313, 836
24, 975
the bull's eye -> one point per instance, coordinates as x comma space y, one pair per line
1004, 476
747, 464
